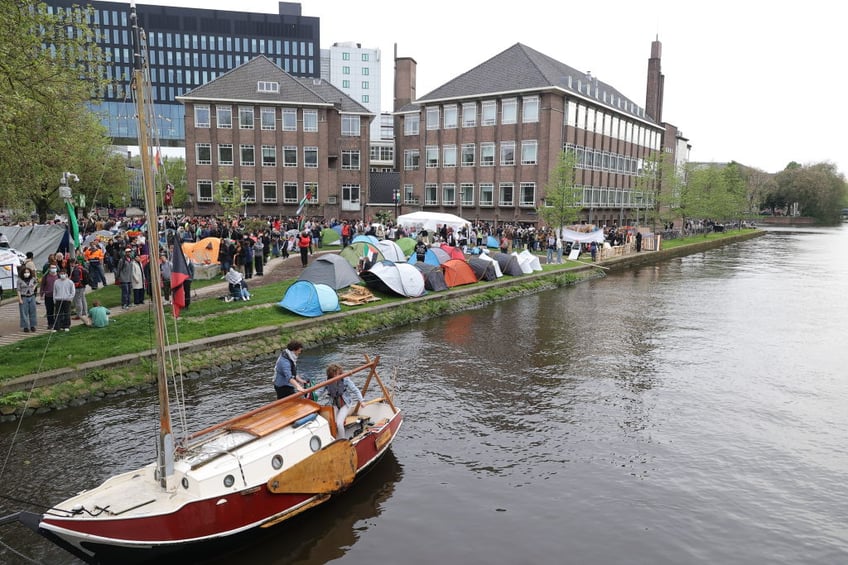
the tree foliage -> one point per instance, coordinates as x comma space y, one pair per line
49, 69
562, 200
229, 196
715, 192
819, 190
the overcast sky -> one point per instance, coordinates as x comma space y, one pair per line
758, 82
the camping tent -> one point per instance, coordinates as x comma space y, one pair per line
355, 252
486, 257
484, 269
434, 278
492, 241
453, 252
365, 238
457, 273
508, 264
41, 240
391, 251
434, 256
330, 269
397, 278
430, 220
581, 237
204, 251
309, 299
407, 244
329, 236
528, 261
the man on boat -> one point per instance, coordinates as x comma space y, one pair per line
286, 381
344, 395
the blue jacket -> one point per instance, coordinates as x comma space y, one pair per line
285, 369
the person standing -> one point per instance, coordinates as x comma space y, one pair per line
63, 295
46, 293
27, 287
638, 241
165, 276
78, 277
303, 243
137, 281
123, 274
187, 284
286, 381
94, 257
344, 396
259, 255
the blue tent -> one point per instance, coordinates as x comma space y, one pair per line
492, 241
434, 256
365, 238
309, 299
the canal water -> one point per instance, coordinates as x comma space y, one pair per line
692, 411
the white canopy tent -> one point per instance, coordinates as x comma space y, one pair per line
581, 237
430, 220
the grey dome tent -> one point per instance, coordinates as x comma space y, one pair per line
434, 277
332, 270
484, 269
508, 263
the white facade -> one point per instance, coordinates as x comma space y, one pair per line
355, 70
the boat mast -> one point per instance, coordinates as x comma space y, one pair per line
165, 456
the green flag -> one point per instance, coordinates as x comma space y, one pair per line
72, 221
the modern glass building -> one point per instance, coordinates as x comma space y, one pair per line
187, 48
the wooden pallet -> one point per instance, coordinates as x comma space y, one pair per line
357, 295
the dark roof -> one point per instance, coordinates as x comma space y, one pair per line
520, 69
240, 84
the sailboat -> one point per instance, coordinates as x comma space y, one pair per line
255, 470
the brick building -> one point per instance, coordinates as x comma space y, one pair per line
483, 145
282, 137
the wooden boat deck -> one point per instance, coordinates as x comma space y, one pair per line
274, 417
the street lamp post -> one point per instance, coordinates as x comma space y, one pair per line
396, 197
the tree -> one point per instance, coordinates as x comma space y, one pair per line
819, 190
229, 196
561, 206
174, 172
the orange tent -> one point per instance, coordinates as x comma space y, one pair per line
458, 272
203, 252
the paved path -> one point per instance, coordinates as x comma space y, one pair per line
276, 270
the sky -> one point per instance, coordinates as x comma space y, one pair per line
756, 82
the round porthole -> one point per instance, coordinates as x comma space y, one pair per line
184, 482
229, 480
277, 462
315, 443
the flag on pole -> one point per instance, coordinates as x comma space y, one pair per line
179, 275
72, 222
306, 198
157, 162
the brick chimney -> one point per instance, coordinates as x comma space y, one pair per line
656, 83
405, 68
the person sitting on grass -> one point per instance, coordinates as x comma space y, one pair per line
99, 315
236, 286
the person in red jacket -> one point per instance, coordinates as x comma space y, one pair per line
303, 242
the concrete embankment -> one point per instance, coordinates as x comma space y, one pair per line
229, 351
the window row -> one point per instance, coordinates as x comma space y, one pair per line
597, 160
269, 154
268, 117
609, 197
594, 120
225, 191
467, 194
365, 57
468, 114
467, 156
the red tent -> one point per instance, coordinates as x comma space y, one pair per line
453, 252
458, 272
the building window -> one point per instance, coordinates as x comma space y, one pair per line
267, 86
468, 155
366, 99
506, 194
268, 119
469, 114
365, 57
489, 112
245, 117
350, 193
290, 193
487, 154
269, 192
204, 153
311, 189
345, 56
345, 70
411, 124
346, 83
431, 156
529, 150
364, 85
310, 157
449, 194
432, 117
350, 160
509, 111
507, 153
431, 193
290, 156
201, 116
409, 194
410, 159
527, 195
466, 194
310, 120
269, 156
530, 110
225, 154
247, 157
449, 156
487, 191
248, 191
366, 71
204, 191
289, 119
224, 116
350, 125
450, 117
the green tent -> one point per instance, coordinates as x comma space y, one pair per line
329, 236
407, 244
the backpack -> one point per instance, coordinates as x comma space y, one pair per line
81, 276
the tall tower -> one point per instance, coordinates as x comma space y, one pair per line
656, 83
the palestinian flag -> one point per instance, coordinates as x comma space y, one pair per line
306, 198
179, 275
72, 222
